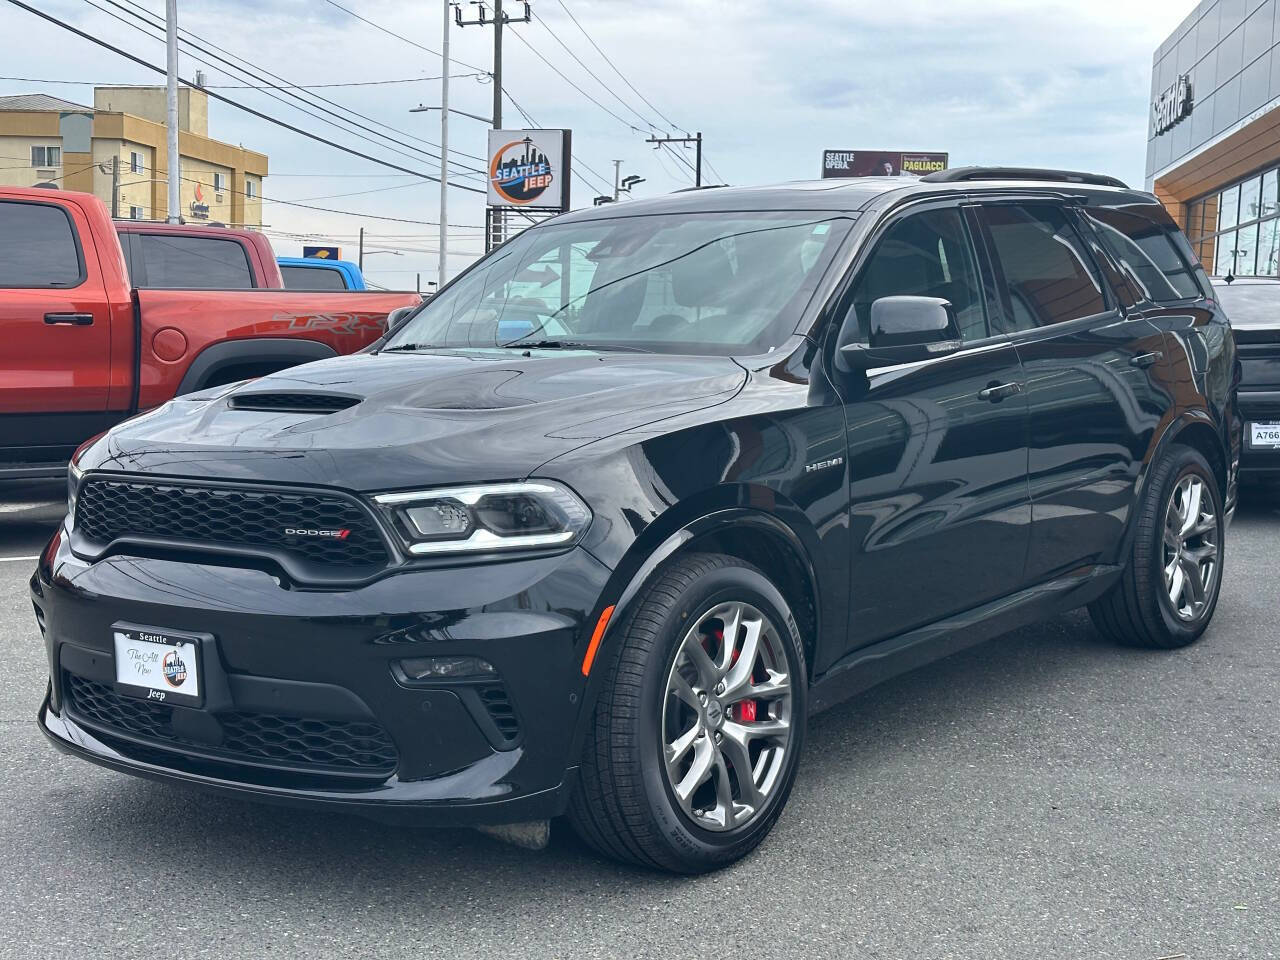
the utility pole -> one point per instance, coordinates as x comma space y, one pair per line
617, 179
360, 255
115, 187
171, 108
443, 269
695, 139
499, 21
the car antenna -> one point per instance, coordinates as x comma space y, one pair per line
1229, 279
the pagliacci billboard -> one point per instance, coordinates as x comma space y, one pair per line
880, 163
529, 168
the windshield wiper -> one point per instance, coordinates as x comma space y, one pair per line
569, 345
409, 347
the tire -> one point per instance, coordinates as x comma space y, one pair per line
625, 804
1138, 610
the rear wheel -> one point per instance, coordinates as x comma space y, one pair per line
693, 746
1169, 589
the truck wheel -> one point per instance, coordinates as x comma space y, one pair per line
1169, 589
693, 745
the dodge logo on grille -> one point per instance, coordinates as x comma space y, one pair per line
298, 532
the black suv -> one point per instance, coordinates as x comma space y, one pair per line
1253, 304
596, 529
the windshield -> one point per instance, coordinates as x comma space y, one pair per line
703, 283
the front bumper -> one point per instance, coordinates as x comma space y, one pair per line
298, 685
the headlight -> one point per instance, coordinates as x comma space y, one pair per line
496, 516
74, 473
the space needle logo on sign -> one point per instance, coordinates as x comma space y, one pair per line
520, 172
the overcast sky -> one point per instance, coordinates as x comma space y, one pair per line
770, 84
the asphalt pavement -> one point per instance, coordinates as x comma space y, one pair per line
1045, 795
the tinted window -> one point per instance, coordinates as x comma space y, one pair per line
37, 247
1155, 255
1047, 273
694, 283
312, 278
195, 263
925, 255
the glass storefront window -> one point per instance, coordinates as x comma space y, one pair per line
1226, 248
1250, 200
1269, 248
1246, 250
1229, 209
1270, 199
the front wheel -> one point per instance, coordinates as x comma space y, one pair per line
1169, 589
693, 746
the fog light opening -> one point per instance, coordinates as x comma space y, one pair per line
446, 668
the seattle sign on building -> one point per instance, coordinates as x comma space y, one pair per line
1172, 105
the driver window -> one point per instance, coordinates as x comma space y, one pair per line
925, 255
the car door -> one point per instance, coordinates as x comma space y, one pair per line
939, 509
55, 324
1092, 401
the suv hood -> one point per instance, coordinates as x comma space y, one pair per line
420, 419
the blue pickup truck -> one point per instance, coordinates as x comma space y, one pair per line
312, 273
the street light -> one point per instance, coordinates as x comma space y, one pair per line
474, 116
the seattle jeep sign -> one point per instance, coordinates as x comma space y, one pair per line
1173, 105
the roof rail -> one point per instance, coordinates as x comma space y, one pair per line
964, 174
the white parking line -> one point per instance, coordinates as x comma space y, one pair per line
3, 559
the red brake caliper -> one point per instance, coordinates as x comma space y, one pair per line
743, 712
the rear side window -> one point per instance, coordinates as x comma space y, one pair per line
194, 263
1155, 255
38, 247
312, 278
1047, 272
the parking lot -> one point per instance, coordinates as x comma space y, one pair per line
1044, 795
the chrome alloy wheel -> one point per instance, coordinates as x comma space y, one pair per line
1190, 548
726, 717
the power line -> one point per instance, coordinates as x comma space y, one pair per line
661, 115
251, 70
643, 119
412, 43
254, 86
240, 106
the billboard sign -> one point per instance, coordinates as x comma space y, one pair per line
322, 253
880, 163
529, 168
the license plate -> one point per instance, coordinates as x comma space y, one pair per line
1266, 435
157, 666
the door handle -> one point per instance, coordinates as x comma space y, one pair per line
1146, 359
995, 392
72, 319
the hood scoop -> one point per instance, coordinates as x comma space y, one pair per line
318, 404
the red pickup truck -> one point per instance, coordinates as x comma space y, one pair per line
82, 348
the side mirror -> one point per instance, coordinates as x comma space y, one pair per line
398, 316
906, 330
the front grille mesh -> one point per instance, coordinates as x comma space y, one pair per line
351, 745
110, 509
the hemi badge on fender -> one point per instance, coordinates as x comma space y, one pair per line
823, 464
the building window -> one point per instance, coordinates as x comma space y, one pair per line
219, 182
135, 213
250, 189
136, 163
1237, 230
46, 156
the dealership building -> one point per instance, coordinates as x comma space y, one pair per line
117, 149
1213, 136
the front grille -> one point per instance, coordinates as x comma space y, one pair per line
359, 746
317, 403
110, 509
